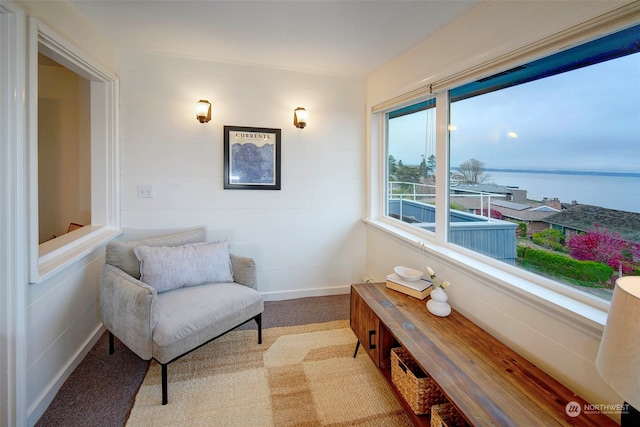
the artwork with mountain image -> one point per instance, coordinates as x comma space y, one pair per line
251, 158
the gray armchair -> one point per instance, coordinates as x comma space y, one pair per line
154, 300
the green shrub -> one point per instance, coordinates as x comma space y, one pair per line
556, 264
457, 207
551, 239
522, 229
522, 250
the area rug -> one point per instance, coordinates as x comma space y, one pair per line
299, 376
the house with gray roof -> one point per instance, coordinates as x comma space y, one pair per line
581, 218
510, 202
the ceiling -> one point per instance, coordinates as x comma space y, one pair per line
338, 37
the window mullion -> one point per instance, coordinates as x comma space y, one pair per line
442, 165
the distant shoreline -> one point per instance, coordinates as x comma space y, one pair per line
564, 172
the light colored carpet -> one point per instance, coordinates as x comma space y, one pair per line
299, 376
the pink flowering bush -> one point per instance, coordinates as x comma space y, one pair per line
607, 248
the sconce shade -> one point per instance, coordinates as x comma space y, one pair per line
203, 111
618, 357
300, 117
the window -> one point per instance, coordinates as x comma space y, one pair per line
543, 165
64, 150
411, 164
87, 196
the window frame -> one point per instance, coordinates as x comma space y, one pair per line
412, 107
584, 311
49, 258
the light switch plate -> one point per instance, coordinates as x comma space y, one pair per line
145, 191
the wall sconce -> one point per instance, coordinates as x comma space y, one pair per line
300, 117
203, 111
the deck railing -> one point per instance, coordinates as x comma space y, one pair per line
429, 193
489, 236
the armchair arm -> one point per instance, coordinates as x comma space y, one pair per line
128, 309
244, 271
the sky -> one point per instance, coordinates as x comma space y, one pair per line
586, 120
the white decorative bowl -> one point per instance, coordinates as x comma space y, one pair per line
408, 274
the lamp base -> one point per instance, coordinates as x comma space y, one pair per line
629, 417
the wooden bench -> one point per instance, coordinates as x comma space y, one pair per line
488, 383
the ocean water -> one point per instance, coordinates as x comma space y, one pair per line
621, 192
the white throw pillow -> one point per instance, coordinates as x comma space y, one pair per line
172, 267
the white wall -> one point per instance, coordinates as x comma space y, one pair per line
307, 238
561, 348
489, 31
63, 323
61, 313
65, 20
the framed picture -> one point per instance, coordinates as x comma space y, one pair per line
251, 158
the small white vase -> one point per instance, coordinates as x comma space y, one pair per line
437, 305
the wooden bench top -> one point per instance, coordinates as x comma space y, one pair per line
489, 383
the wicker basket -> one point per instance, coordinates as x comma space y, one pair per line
418, 389
446, 415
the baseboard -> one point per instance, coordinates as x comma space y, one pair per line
315, 292
44, 400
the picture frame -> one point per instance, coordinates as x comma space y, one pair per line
251, 158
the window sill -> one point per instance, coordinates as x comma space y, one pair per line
57, 254
583, 312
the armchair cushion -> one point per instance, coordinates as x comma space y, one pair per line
192, 315
172, 267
